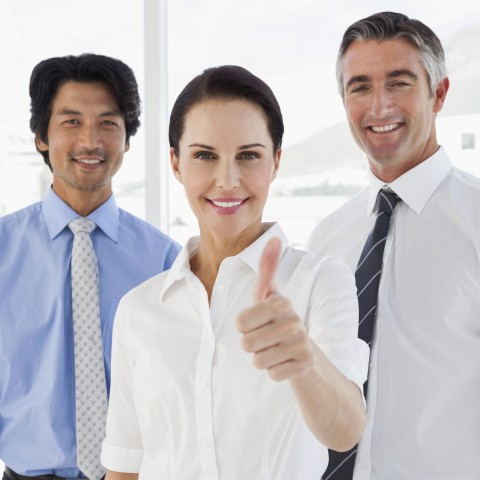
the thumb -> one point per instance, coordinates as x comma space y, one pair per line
267, 267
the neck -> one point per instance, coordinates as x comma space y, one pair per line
84, 203
213, 250
390, 172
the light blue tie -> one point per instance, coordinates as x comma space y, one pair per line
90, 386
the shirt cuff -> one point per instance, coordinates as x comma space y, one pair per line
120, 459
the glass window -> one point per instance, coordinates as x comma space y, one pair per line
468, 141
33, 30
292, 45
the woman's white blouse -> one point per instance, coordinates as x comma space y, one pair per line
186, 401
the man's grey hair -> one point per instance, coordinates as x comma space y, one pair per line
389, 26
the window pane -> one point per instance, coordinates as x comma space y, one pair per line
32, 30
292, 45
468, 141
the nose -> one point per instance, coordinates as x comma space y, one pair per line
227, 175
381, 102
89, 137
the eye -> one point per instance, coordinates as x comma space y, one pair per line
248, 156
71, 121
359, 89
109, 123
204, 155
400, 84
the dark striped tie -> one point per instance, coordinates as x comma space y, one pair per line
367, 277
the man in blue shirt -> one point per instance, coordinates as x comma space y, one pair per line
83, 111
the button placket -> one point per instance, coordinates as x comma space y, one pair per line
203, 397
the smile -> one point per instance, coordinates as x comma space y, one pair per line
227, 204
89, 161
385, 128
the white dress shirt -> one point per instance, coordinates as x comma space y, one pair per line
424, 379
186, 400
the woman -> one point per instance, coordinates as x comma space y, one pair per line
234, 364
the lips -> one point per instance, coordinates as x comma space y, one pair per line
227, 206
385, 128
89, 161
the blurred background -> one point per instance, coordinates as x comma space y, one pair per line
291, 44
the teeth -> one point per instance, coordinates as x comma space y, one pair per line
88, 161
386, 128
226, 204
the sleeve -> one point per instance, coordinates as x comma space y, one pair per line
323, 292
332, 318
319, 236
122, 449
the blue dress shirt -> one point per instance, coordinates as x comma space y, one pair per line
37, 383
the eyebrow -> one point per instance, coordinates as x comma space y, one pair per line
357, 79
402, 73
392, 74
251, 145
109, 113
241, 147
201, 145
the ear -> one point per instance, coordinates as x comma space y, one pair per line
276, 161
175, 163
440, 94
41, 145
127, 146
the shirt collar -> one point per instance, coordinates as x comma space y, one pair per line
58, 215
181, 266
251, 255
415, 186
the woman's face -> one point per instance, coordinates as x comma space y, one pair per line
226, 163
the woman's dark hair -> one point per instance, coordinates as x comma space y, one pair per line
227, 82
52, 73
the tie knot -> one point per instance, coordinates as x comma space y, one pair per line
387, 201
81, 224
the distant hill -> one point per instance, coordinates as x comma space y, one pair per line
329, 149
334, 147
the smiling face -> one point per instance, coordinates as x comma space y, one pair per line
390, 109
226, 163
86, 143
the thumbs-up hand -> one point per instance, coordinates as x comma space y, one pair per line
267, 268
271, 329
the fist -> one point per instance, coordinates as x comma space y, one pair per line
271, 330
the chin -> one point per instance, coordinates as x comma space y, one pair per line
385, 157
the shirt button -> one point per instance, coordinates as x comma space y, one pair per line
362, 465
221, 288
370, 365
368, 415
203, 386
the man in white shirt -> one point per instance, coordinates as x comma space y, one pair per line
424, 376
